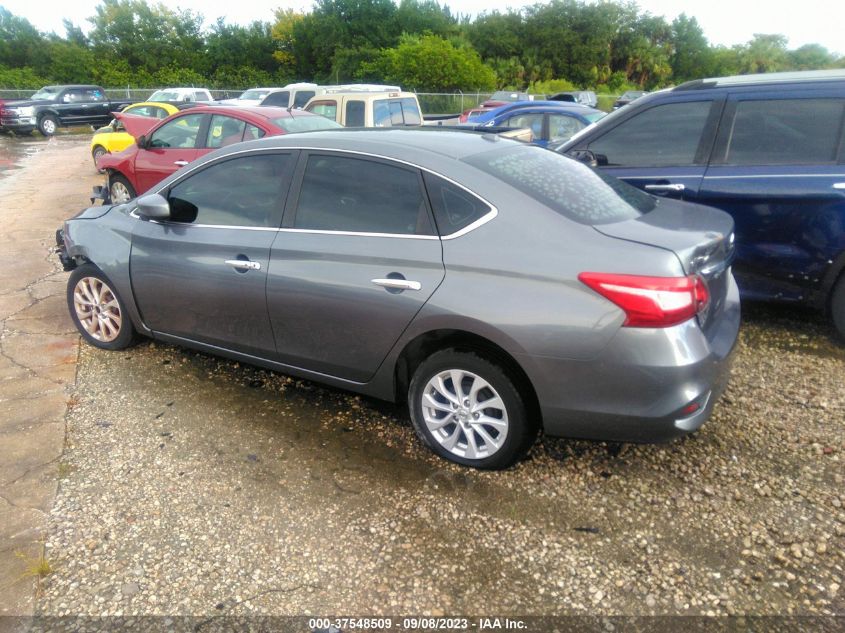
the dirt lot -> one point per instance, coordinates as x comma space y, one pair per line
195, 485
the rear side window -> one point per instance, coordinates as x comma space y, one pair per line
454, 208
351, 194
355, 114
785, 131
244, 191
663, 136
562, 184
224, 130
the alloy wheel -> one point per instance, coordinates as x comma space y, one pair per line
119, 193
97, 309
464, 414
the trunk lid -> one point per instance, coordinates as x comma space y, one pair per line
701, 237
135, 124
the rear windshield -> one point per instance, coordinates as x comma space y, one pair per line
564, 185
305, 123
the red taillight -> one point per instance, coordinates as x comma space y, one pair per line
651, 301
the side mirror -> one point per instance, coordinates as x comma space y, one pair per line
141, 141
154, 207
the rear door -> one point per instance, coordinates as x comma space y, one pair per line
356, 259
662, 149
777, 168
171, 146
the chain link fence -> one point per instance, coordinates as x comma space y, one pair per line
430, 102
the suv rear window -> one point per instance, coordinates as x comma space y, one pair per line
785, 131
562, 184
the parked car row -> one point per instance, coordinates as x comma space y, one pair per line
496, 287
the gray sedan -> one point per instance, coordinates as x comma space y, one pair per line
497, 288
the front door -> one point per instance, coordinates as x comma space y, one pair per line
357, 260
662, 150
170, 147
201, 275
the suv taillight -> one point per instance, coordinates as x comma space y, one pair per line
651, 301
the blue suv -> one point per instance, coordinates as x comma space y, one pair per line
769, 149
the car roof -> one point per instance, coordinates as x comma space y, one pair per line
764, 78
264, 112
406, 144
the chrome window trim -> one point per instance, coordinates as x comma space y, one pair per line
772, 175
487, 217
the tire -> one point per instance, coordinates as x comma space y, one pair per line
456, 431
837, 307
99, 151
120, 189
48, 124
97, 310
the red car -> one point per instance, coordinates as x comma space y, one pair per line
163, 147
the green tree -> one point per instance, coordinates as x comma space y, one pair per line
764, 54
811, 57
692, 57
148, 37
429, 63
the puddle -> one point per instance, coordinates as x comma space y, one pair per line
16, 150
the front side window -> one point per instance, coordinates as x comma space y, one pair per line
201, 96
664, 136
454, 208
532, 121
244, 191
181, 132
72, 96
277, 99
785, 132
363, 196
301, 98
224, 130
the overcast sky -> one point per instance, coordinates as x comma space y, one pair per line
724, 21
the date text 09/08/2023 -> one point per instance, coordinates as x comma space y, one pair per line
416, 623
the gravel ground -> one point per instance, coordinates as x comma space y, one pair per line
194, 485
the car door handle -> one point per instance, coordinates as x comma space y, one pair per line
181, 163
675, 187
839, 185
243, 264
398, 284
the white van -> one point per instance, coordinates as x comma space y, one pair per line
363, 108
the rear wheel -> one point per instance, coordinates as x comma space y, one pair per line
837, 307
467, 409
97, 310
120, 189
98, 152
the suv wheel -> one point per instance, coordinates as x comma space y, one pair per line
48, 125
467, 409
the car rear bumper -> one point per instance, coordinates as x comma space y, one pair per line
649, 385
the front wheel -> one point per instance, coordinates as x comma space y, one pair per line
48, 124
468, 410
99, 152
97, 310
837, 307
120, 189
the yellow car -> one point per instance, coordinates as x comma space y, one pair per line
113, 138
